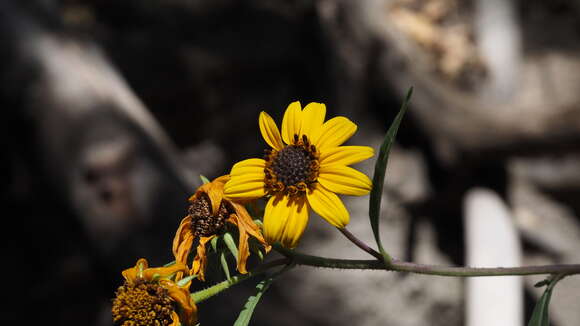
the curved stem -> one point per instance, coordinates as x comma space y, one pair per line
402, 266
209, 292
359, 243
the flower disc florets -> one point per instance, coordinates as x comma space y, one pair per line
143, 303
204, 223
293, 169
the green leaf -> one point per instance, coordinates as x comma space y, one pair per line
186, 279
225, 267
541, 316
231, 244
204, 179
214, 242
379, 175
246, 313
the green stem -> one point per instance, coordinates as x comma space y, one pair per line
555, 279
209, 292
401, 266
359, 243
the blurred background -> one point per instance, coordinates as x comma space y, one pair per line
112, 109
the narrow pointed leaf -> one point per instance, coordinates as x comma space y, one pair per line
231, 244
214, 242
379, 175
186, 279
246, 314
204, 179
541, 316
225, 267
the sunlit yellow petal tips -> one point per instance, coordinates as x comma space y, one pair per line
312, 119
345, 180
291, 122
270, 131
249, 166
335, 132
246, 180
346, 155
327, 204
305, 168
285, 220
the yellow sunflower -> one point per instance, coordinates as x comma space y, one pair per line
151, 296
304, 169
209, 215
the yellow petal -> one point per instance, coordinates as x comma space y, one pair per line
285, 220
215, 192
188, 309
243, 247
200, 260
252, 228
275, 218
182, 243
296, 223
327, 204
270, 131
312, 119
175, 318
245, 187
133, 273
249, 166
149, 273
334, 132
344, 180
182, 231
345, 155
246, 227
291, 122
217, 182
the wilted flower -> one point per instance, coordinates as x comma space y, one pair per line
210, 214
152, 296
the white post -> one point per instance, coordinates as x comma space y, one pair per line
491, 241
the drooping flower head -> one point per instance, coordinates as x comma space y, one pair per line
210, 215
151, 296
304, 169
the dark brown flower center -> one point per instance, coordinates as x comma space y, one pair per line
144, 303
203, 222
292, 165
293, 169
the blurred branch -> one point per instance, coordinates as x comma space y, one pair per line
100, 147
